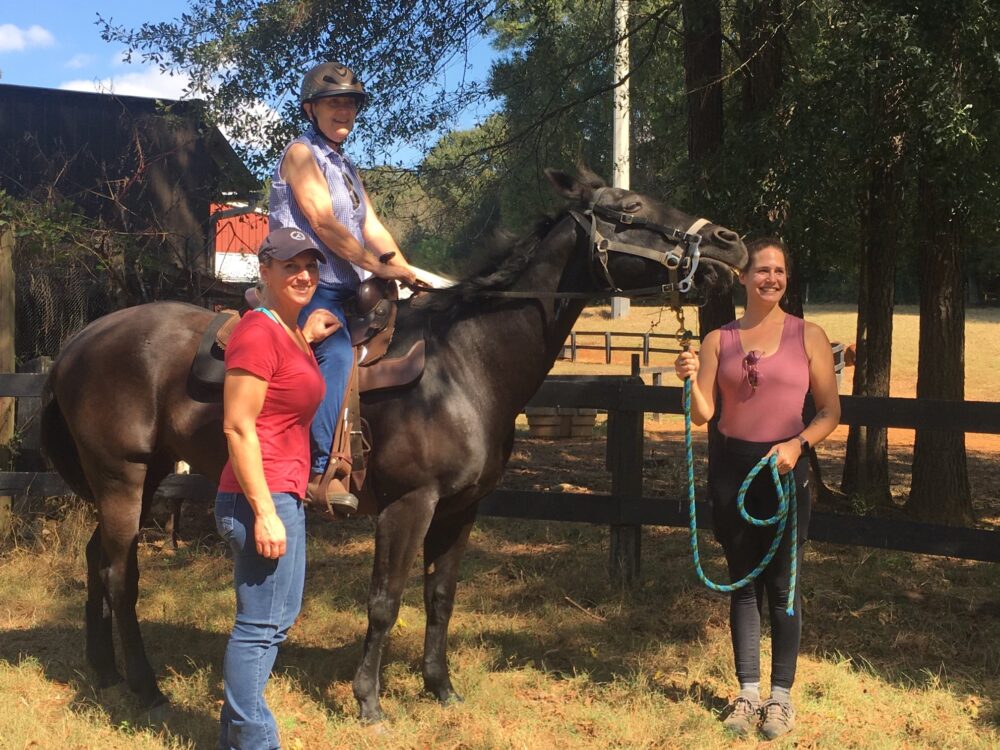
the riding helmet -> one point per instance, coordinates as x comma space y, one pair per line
332, 79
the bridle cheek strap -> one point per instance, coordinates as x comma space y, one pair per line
684, 252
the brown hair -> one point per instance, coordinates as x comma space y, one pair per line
762, 243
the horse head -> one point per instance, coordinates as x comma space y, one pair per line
641, 246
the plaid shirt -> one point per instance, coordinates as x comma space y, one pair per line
346, 193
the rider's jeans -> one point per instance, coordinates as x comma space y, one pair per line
335, 358
268, 599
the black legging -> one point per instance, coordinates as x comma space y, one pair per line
745, 546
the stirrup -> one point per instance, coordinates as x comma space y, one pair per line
334, 504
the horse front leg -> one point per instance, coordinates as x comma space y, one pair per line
100, 639
444, 546
398, 533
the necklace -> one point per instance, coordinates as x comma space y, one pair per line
296, 335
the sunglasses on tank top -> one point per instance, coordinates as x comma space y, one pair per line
750, 368
355, 198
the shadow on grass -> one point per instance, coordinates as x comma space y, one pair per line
907, 620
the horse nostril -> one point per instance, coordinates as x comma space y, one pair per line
726, 236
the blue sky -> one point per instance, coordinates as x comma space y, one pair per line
57, 44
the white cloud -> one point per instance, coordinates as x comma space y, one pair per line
15, 39
79, 61
149, 82
261, 114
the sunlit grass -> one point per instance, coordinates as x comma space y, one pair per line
899, 651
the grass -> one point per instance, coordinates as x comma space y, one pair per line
982, 356
899, 651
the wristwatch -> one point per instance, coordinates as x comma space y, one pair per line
803, 443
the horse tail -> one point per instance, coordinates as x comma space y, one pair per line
59, 447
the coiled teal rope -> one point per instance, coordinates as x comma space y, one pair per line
787, 505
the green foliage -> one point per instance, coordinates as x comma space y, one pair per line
860, 82
248, 56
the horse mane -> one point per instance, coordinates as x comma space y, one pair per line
508, 258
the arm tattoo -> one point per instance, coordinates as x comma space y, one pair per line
820, 415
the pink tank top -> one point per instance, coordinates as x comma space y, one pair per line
772, 410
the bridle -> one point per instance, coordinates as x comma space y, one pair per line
681, 259
682, 256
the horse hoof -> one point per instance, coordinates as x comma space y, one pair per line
371, 715
450, 699
108, 679
157, 714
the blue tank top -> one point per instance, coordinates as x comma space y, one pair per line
347, 195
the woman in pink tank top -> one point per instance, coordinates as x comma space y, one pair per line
753, 374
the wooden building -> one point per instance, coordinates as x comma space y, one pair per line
141, 165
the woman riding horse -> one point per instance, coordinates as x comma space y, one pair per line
316, 188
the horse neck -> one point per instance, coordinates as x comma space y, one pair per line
528, 335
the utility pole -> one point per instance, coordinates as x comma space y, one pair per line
620, 131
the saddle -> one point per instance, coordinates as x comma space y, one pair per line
371, 319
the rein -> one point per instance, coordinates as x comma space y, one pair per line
787, 506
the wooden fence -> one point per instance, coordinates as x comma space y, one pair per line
603, 341
626, 510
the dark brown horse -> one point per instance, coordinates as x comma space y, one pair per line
124, 409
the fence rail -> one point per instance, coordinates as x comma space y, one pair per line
573, 346
625, 510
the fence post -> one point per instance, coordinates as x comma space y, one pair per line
572, 346
607, 347
645, 349
28, 422
625, 453
6, 362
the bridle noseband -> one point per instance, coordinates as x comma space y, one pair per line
683, 254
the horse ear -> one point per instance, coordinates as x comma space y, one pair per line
573, 188
564, 184
588, 176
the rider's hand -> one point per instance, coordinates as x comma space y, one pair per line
788, 454
320, 324
686, 365
396, 271
269, 535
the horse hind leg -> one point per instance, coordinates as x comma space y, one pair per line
400, 529
444, 546
100, 639
120, 509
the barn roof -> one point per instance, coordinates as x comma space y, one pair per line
70, 122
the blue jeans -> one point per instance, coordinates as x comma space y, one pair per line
335, 358
268, 599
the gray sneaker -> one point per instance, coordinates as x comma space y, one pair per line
776, 718
740, 716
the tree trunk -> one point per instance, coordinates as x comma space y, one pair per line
702, 76
7, 361
940, 487
762, 43
866, 466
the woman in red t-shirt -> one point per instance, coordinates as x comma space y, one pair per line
754, 374
272, 388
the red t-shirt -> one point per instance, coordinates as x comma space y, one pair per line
295, 388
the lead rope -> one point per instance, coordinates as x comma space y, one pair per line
787, 504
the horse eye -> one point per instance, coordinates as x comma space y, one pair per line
631, 208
